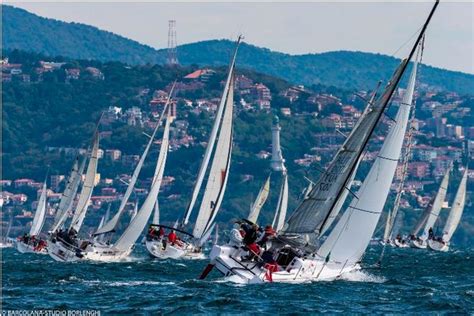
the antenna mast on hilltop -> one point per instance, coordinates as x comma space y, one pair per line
172, 54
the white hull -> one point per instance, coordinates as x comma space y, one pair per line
438, 246
26, 248
419, 244
226, 260
105, 253
400, 244
157, 250
59, 251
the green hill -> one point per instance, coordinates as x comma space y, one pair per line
344, 69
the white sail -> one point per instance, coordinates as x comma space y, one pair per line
135, 228
40, 214
87, 187
156, 214
388, 228
350, 237
219, 171
135, 211
67, 198
259, 201
112, 224
389, 225
212, 139
103, 220
456, 210
436, 206
282, 206
311, 216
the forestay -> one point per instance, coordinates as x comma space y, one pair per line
456, 210
87, 187
436, 206
40, 213
259, 201
350, 237
219, 171
136, 226
312, 215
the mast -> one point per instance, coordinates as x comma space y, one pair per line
212, 138
70, 192
136, 226
87, 187
408, 98
307, 217
219, 171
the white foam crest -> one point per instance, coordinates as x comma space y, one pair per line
362, 276
137, 283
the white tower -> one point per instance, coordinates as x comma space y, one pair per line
277, 162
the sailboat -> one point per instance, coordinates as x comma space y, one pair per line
64, 245
430, 216
31, 242
452, 222
296, 256
123, 246
219, 144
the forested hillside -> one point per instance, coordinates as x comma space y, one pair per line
343, 69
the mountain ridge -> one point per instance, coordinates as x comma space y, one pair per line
343, 69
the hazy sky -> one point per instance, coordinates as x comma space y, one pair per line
295, 28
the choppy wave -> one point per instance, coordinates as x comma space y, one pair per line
409, 281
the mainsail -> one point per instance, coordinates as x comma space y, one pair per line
312, 214
259, 201
436, 206
136, 226
282, 206
67, 198
87, 187
112, 224
40, 213
212, 138
219, 171
350, 237
456, 209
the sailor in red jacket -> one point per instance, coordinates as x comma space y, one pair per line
172, 237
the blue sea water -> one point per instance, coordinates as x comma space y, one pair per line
410, 281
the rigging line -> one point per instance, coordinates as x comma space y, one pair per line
406, 42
